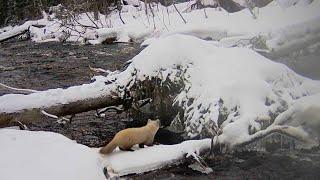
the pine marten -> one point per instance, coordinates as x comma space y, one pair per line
126, 138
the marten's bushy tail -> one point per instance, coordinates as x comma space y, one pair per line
108, 148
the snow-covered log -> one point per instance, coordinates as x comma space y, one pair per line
121, 163
19, 30
58, 102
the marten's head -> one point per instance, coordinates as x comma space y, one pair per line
154, 123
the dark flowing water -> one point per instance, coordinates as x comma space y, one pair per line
52, 65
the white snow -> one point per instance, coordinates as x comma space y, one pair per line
46, 155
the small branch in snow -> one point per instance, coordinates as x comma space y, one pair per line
175, 7
88, 15
119, 109
151, 10
205, 13
22, 126
168, 15
60, 120
99, 70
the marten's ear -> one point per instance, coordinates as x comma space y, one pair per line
149, 120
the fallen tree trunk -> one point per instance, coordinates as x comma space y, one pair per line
185, 152
58, 102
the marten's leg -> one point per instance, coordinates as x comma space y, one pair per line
141, 145
149, 143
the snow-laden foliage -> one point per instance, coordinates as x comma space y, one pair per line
232, 92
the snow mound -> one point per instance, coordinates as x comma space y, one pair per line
46, 155
233, 92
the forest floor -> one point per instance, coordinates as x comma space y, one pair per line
54, 65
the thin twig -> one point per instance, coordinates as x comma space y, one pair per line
175, 7
28, 91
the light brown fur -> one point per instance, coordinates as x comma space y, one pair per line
127, 138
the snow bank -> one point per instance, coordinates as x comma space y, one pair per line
46, 155
282, 29
232, 91
142, 160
